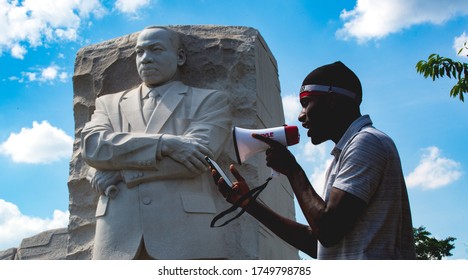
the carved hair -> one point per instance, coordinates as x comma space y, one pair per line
174, 35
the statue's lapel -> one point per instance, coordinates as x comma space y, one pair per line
131, 109
166, 107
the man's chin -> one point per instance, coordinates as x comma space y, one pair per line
316, 140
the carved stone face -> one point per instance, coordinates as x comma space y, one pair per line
157, 58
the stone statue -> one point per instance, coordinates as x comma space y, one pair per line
146, 147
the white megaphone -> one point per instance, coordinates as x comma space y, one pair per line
247, 146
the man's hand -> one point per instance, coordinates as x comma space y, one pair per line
186, 151
278, 156
103, 180
239, 188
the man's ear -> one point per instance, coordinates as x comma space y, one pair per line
181, 57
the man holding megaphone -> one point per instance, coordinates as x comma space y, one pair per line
364, 211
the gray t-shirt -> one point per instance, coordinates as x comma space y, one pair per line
367, 165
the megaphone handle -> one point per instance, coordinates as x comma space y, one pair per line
274, 173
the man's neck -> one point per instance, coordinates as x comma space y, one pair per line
343, 126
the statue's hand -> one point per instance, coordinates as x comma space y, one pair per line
185, 151
104, 182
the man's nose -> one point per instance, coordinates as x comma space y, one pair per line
301, 116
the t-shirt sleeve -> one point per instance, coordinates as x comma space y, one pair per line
361, 166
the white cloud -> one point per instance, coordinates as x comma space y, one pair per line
66, 34
18, 51
434, 171
14, 226
291, 107
459, 43
63, 77
31, 23
42, 143
315, 153
49, 74
130, 6
372, 19
31, 76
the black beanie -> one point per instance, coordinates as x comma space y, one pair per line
335, 75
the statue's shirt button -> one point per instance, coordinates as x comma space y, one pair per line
146, 200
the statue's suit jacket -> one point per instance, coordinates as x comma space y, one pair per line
160, 201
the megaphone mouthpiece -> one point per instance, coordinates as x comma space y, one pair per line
292, 135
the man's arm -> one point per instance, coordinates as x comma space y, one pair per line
329, 221
298, 235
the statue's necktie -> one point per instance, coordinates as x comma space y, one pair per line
150, 103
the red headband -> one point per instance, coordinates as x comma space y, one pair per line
307, 90
309, 93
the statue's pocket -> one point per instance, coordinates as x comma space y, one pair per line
102, 206
197, 203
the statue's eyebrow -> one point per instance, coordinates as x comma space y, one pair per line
149, 45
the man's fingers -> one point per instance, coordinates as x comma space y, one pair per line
236, 173
215, 175
222, 186
218, 179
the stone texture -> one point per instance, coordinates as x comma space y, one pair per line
8, 254
47, 245
234, 59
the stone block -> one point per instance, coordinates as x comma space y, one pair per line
47, 245
230, 58
8, 254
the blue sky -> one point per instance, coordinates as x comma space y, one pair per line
380, 40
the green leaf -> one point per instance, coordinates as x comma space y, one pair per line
421, 67
437, 67
441, 71
447, 70
435, 72
459, 67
